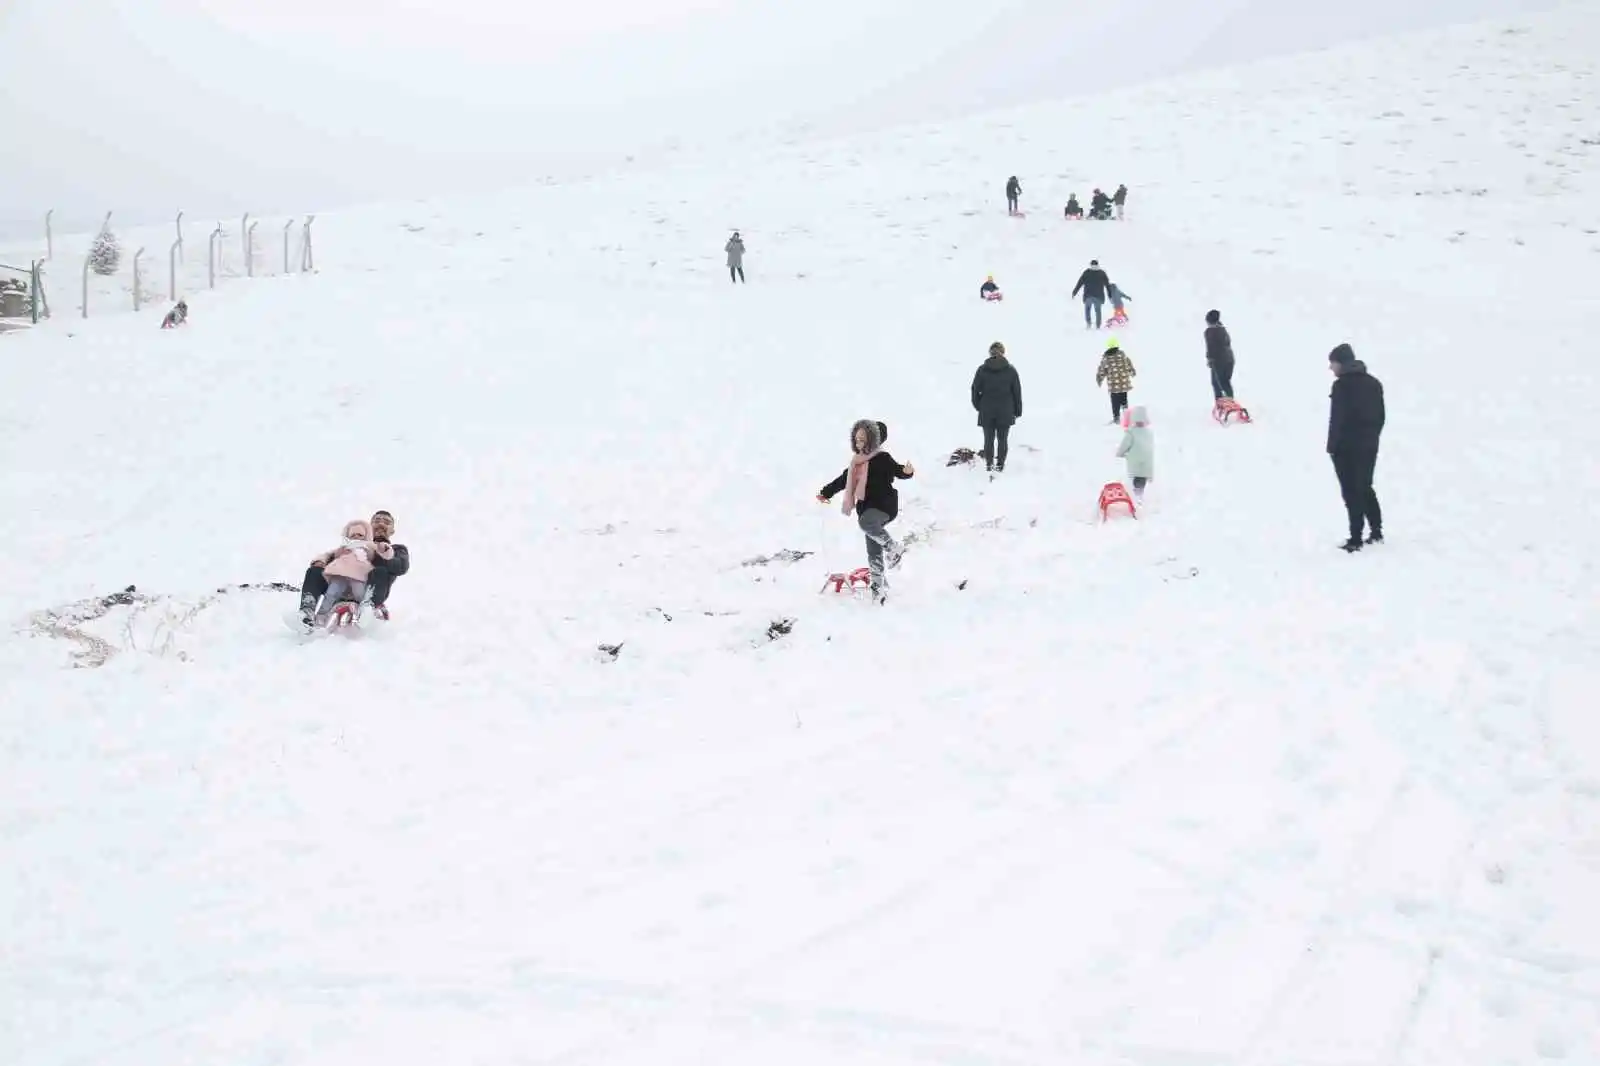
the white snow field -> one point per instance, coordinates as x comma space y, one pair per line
1192, 789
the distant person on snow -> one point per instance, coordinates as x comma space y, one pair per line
1120, 199
1013, 194
997, 397
1355, 422
1219, 355
380, 578
1100, 206
1116, 373
1093, 283
1138, 447
1074, 208
344, 571
869, 491
735, 250
176, 317
989, 290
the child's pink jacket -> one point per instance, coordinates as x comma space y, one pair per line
347, 563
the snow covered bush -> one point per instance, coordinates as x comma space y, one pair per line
105, 255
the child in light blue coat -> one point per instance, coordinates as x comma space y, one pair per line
1139, 448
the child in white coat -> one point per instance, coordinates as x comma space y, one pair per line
1139, 448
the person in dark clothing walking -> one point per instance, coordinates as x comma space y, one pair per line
735, 250
379, 581
1119, 200
1013, 194
1219, 356
1093, 283
869, 491
997, 397
1355, 422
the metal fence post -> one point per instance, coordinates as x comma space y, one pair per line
179, 225
244, 235
250, 251
172, 267
33, 291
215, 244
105, 225
136, 279
86, 261
49, 236
287, 226
306, 262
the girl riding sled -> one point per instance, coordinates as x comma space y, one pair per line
346, 569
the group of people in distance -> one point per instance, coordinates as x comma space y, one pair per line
1102, 208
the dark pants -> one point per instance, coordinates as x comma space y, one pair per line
380, 581
995, 437
1119, 400
1354, 469
1011, 204
1222, 380
1092, 305
736, 273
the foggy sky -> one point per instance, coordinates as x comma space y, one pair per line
218, 106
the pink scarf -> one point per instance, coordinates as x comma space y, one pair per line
855, 483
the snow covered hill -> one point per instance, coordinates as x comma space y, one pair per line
1196, 788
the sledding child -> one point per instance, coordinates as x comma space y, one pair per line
869, 491
1116, 373
1118, 298
989, 290
1139, 448
346, 568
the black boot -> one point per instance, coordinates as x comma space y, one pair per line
1375, 537
1352, 545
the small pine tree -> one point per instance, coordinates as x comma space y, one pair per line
105, 255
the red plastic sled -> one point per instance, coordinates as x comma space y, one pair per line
1226, 408
857, 578
1113, 494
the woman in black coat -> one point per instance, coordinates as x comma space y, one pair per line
997, 397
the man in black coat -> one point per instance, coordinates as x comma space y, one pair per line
997, 397
1355, 422
1093, 283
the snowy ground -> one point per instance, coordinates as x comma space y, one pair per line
1196, 789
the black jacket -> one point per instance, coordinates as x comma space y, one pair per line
398, 564
997, 392
1013, 188
1355, 411
1093, 282
1219, 346
987, 287
882, 472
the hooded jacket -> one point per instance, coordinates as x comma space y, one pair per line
1355, 410
1138, 444
997, 392
882, 472
354, 559
1116, 371
735, 250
